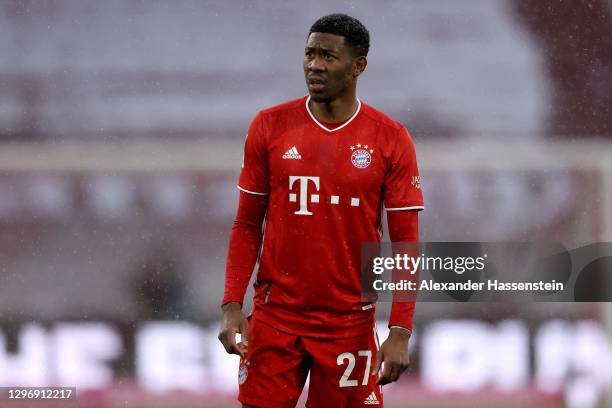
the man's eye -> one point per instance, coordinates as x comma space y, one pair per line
328, 57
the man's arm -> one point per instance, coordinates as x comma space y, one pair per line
403, 227
245, 241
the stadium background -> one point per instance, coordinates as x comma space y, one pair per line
121, 131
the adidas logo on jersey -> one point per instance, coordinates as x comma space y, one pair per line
292, 154
371, 400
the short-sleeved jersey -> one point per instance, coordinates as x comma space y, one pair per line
327, 189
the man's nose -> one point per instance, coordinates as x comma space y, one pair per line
316, 64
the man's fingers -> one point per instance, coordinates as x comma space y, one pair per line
228, 339
395, 372
391, 372
236, 348
221, 338
377, 362
385, 377
404, 366
244, 331
383, 380
242, 349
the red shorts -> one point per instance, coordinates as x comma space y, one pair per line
274, 371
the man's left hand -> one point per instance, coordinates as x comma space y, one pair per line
394, 354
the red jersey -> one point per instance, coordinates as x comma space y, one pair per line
327, 189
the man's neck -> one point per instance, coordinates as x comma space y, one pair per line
338, 110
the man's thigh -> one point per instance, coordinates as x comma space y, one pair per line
273, 372
341, 372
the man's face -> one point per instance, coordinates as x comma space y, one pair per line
329, 66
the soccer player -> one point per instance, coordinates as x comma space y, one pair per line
316, 174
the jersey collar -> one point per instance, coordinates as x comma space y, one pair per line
339, 127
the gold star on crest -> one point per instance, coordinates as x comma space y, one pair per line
358, 145
352, 147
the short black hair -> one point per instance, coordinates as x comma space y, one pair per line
355, 33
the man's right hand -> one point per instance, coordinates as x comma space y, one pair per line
234, 322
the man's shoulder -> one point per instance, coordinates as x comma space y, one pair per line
381, 118
283, 107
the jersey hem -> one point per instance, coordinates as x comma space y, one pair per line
250, 192
277, 318
413, 207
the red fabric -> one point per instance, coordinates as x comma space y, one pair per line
326, 194
273, 372
403, 227
332, 125
244, 244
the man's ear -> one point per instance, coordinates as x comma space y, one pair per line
359, 66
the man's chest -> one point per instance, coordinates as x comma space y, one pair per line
337, 169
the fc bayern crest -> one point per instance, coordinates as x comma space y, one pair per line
243, 373
361, 156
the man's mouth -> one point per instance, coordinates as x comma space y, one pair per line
316, 84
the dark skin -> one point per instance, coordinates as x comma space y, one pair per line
331, 69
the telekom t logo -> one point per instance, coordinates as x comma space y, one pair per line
303, 189
306, 198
